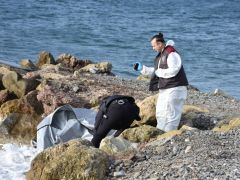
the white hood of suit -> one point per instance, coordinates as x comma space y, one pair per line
170, 43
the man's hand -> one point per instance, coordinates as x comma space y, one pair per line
137, 66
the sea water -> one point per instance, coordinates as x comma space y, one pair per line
15, 161
206, 34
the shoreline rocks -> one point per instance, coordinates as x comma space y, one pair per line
195, 151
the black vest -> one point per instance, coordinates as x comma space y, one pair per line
157, 83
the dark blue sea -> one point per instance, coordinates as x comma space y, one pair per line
206, 34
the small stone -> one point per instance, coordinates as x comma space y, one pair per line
175, 150
188, 149
119, 173
117, 162
128, 163
75, 89
118, 168
93, 70
136, 174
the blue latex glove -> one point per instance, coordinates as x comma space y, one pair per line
137, 66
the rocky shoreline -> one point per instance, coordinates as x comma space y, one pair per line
206, 146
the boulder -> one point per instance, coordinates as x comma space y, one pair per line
3, 70
112, 145
142, 77
14, 82
5, 96
147, 111
18, 120
233, 123
45, 58
70, 61
51, 75
197, 117
219, 92
52, 98
47, 70
10, 66
29, 104
1, 84
27, 64
141, 134
72, 160
192, 108
20, 127
8, 108
103, 67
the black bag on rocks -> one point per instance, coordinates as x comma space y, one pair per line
116, 112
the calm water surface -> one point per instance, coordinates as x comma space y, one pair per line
206, 34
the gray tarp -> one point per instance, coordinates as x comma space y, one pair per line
63, 124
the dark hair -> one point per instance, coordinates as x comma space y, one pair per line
158, 37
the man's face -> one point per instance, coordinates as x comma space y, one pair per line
157, 46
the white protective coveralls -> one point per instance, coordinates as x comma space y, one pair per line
170, 101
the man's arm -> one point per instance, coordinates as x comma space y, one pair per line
147, 70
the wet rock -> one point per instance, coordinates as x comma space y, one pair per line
72, 160
18, 121
7, 124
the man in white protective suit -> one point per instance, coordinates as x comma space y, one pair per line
167, 77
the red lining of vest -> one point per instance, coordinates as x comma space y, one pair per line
169, 49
